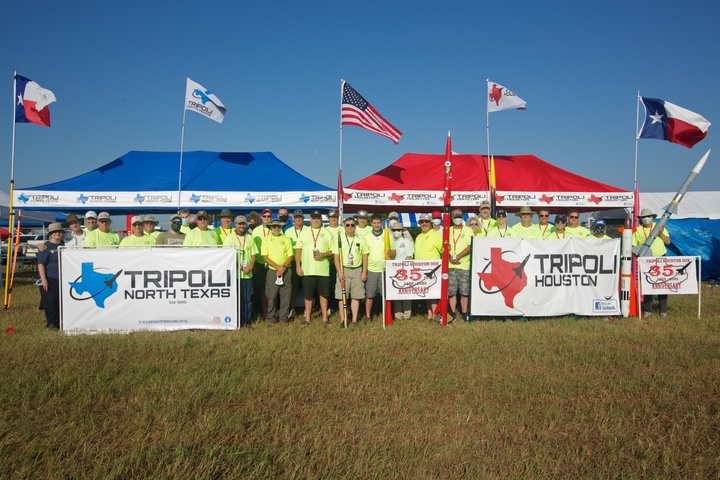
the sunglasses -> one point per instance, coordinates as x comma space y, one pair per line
351, 225
501, 215
202, 219
474, 224
267, 216
559, 221
423, 221
543, 215
104, 221
137, 224
573, 216
176, 222
275, 226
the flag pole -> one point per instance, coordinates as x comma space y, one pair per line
8, 287
487, 134
637, 139
182, 145
341, 201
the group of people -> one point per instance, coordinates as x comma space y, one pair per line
337, 265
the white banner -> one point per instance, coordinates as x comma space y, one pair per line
668, 275
412, 279
192, 199
535, 278
122, 290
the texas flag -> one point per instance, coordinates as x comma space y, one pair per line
32, 102
667, 121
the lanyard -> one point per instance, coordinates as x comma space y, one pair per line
315, 237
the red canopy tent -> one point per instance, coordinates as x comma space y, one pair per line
416, 180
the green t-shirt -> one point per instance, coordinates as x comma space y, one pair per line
135, 241
502, 232
641, 235
376, 250
293, 234
428, 246
278, 248
460, 239
98, 239
201, 238
322, 239
353, 249
259, 233
361, 232
246, 250
578, 232
532, 232
223, 233
486, 226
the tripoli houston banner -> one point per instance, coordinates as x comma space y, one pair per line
412, 279
668, 275
535, 278
104, 290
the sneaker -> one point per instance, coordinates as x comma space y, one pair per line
452, 318
328, 324
663, 314
292, 314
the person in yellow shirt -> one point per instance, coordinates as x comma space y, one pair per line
138, 237
526, 229
599, 229
149, 224
313, 252
544, 222
573, 228
459, 266
428, 246
278, 254
501, 229
102, 236
226, 225
558, 231
657, 247
485, 223
351, 263
247, 251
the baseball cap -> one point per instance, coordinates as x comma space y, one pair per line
298, 213
561, 217
267, 210
484, 204
136, 219
500, 211
436, 214
393, 215
102, 216
424, 216
176, 217
316, 214
600, 223
333, 213
91, 214
201, 214
240, 219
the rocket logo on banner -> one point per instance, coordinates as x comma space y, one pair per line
667, 121
203, 101
500, 98
31, 105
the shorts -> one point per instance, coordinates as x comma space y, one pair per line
354, 286
315, 283
373, 284
458, 281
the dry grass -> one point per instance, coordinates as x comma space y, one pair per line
558, 398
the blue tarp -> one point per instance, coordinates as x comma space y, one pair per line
697, 236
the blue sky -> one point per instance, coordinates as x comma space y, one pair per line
118, 70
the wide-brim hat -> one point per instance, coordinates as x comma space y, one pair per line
523, 211
646, 212
276, 222
150, 218
56, 227
362, 214
71, 218
226, 213
395, 225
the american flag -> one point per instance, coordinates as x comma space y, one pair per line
357, 111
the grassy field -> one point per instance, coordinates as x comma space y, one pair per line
552, 398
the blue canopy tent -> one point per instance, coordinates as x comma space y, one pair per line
148, 182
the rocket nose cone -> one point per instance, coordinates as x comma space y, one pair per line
628, 222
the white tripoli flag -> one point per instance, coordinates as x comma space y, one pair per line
201, 100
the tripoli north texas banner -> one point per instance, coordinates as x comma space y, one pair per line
127, 289
668, 275
536, 278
